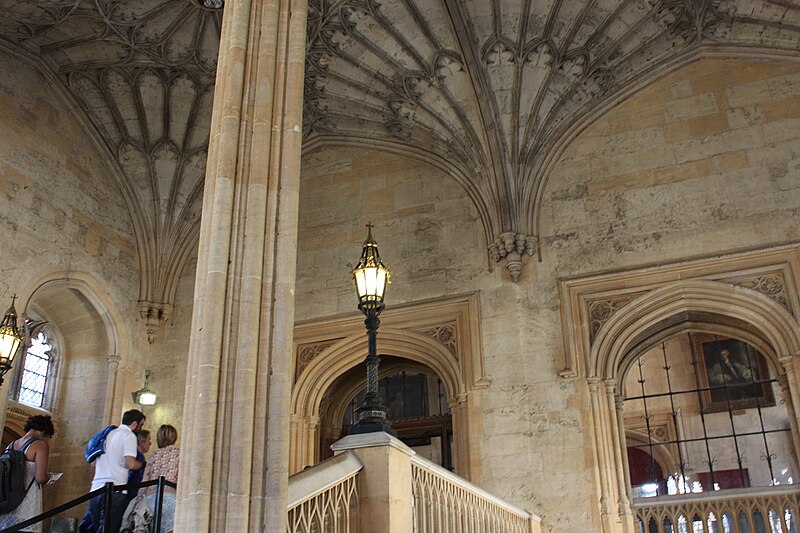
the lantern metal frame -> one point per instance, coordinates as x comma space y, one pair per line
8, 328
143, 396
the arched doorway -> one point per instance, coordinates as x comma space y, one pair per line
714, 316
416, 403
710, 415
71, 371
439, 338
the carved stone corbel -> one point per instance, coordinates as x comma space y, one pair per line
510, 248
155, 316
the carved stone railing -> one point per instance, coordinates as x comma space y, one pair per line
401, 492
446, 503
763, 510
324, 499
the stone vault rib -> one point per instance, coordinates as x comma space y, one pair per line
498, 89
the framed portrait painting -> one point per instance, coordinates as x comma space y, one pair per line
730, 373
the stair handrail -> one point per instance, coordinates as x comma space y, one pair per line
430, 466
316, 479
108, 489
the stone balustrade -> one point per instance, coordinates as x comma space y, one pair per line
325, 498
762, 510
376, 483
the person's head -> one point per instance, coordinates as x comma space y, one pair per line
725, 355
166, 436
42, 424
134, 419
143, 440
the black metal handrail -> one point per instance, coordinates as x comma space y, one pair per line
108, 491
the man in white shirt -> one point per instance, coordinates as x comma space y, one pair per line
118, 458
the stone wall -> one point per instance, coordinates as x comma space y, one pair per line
431, 239
168, 358
427, 231
63, 221
703, 162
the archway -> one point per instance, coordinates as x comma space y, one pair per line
328, 368
441, 337
416, 404
678, 308
83, 327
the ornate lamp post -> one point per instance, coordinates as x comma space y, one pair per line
10, 339
371, 277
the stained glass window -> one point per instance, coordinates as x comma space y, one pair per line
36, 371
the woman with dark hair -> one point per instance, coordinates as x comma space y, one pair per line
38, 430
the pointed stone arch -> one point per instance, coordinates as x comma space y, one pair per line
695, 301
665, 311
92, 309
412, 332
610, 319
317, 378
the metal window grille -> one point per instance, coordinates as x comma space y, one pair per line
33, 384
697, 452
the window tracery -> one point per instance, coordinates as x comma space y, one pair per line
36, 372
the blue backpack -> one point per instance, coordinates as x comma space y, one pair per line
97, 443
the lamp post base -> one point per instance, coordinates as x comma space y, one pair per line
374, 425
372, 418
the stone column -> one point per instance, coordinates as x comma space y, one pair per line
788, 384
305, 438
619, 406
616, 418
608, 508
111, 388
462, 460
235, 442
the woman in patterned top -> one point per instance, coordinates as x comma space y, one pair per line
164, 462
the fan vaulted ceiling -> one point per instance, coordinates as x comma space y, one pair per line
142, 72
490, 91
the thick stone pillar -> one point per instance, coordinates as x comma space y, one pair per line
235, 442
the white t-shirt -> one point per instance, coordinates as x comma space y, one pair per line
110, 466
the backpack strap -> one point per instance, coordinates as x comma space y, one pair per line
26, 444
22, 449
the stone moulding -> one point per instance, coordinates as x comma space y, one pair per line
588, 303
451, 321
447, 334
305, 353
441, 336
